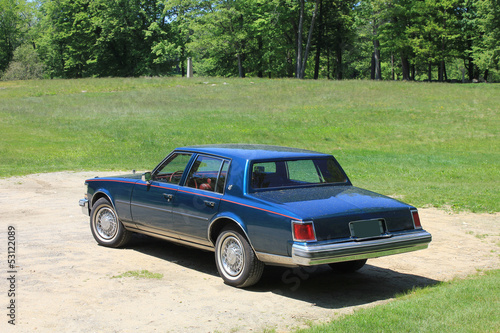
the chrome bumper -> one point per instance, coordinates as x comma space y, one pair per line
317, 254
84, 203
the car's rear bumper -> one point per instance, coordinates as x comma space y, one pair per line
317, 254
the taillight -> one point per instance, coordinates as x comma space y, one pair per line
416, 219
303, 231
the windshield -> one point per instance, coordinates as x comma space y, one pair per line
279, 174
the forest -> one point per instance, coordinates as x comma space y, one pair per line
421, 40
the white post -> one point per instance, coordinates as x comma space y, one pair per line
190, 68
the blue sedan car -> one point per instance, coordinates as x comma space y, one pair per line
254, 205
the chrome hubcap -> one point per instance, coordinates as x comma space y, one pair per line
106, 223
232, 256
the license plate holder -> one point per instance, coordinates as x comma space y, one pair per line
366, 229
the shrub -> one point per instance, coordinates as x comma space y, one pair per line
25, 65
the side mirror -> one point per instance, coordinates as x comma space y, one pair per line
146, 177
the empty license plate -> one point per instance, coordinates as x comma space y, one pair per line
365, 229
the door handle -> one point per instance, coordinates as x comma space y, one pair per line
209, 203
168, 196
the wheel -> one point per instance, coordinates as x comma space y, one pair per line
235, 259
347, 266
105, 226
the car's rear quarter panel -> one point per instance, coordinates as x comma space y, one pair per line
267, 226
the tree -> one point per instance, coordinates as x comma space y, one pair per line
16, 18
220, 32
335, 34
394, 36
122, 47
25, 65
102, 37
302, 59
486, 44
434, 34
371, 13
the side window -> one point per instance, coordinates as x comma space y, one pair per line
204, 173
171, 172
221, 181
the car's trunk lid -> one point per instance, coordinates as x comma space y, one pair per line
332, 208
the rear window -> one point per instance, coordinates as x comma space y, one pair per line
303, 172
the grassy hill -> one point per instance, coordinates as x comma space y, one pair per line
428, 144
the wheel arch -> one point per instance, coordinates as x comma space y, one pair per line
219, 223
101, 194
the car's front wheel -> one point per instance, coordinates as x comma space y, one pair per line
235, 259
105, 225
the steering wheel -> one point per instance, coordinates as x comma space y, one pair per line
177, 173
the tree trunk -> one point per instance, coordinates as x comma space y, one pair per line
328, 67
377, 74
317, 58
441, 71
372, 67
392, 67
309, 39
260, 72
299, 40
470, 68
241, 72
319, 41
429, 72
183, 68
405, 67
339, 74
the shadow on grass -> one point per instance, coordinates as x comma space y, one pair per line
317, 285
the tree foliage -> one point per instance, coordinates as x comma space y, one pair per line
335, 39
16, 20
25, 65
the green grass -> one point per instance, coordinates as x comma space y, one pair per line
428, 144
471, 305
144, 274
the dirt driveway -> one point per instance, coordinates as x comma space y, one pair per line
64, 280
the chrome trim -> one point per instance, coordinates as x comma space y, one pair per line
310, 254
148, 207
84, 203
209, 230
165, 210
274, 259
171, 237
106, 195
190, 215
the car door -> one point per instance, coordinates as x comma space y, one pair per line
197, 202
151, 203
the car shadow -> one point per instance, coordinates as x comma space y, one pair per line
320, 286
317, 285
188, 257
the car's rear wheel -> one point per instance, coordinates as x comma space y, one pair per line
105, 225
347, 266
235, 259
